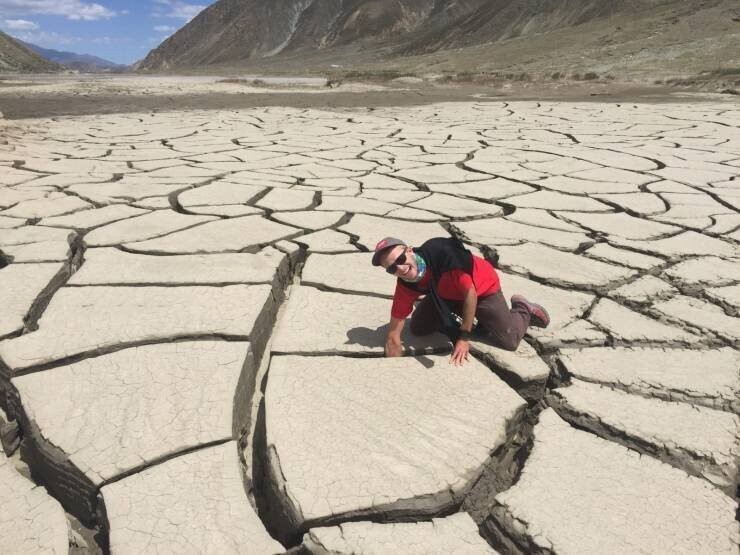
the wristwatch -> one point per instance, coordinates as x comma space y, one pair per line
466, 335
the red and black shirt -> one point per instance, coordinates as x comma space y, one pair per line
455, 274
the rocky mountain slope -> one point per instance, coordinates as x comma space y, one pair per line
496, 20
15, 57
81, 62
234, 30
248, 31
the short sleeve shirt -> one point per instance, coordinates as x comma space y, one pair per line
452, 286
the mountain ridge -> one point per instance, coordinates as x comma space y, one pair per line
81, 62
234, 32
16, 57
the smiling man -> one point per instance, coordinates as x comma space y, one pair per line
465, 283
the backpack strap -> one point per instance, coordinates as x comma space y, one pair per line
450, 321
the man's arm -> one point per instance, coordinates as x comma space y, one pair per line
393, 347
462, 346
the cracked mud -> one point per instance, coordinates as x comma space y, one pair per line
191, 340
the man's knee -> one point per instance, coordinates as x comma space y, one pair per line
508, 342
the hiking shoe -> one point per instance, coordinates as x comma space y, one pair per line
538, 316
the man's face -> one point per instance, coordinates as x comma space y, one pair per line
408, 270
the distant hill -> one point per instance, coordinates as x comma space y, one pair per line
466, 35
81, 62
16, 57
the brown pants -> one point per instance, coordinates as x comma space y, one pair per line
502, 327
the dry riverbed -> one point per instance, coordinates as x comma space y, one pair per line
191, 344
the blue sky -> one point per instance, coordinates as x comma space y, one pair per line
118, 31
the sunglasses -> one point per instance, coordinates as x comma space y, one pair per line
393, 268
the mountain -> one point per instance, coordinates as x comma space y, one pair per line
233, 30
497, 20
81, 62
230, 32
15, 57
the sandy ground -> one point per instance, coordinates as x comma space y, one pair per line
59, 95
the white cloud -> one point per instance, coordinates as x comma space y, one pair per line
164, 28
177, 9
47, 39
51, 39
186, 11
71, 9
19, 25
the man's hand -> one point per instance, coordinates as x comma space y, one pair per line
461, 353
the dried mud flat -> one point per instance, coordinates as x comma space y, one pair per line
192, 335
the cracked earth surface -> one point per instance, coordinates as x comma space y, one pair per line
191, 340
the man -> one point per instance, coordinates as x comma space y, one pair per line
468, 284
